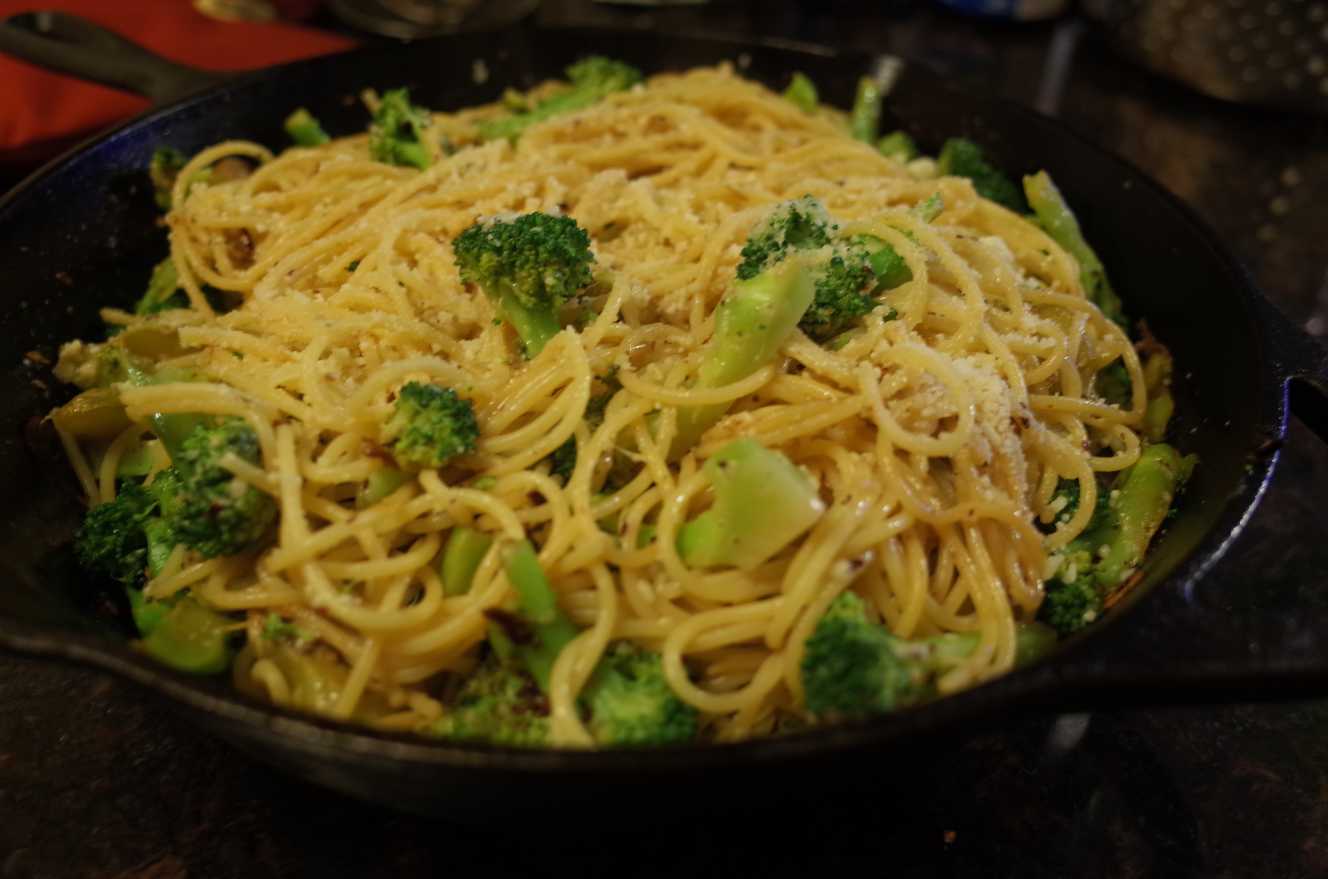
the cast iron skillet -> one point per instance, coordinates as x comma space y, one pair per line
82, 233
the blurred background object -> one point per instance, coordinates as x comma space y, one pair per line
1017, 10
408, 19
42, 113
1272, 53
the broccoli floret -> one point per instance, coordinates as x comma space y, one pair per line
305, 129
131, 537
396, 135
497, 703
899, 146
430, 425
801, 92
629, 701
112, 541
843, 293
528, 266
848, 273
853, 666
864, 119
961, 157
1072, 605
278, 628
163, 168
844, 279
1053, 214
590, 81
763, 502
800, 224
216, 513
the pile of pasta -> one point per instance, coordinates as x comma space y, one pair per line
937, 437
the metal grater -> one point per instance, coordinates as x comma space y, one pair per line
1272, 53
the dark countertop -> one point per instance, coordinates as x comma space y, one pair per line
97, 779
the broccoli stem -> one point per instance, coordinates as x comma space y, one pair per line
551, 629
899, 146
763, 502
535, 327
465, 550
1157, 379
189, 637
865, 117
304, 129
1056, 218
751, 324
380, 484
1142, 502
801, 92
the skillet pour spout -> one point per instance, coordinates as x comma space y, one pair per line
1186, 634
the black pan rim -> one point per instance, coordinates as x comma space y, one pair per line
1031, 685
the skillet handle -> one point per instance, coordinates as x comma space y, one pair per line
68, 44
1302, 364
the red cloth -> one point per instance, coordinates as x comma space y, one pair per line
40, 111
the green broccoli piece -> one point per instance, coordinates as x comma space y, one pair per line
163, 168
629, 701
961, 157
1113, 545
1069, 606
801, 92
848, 276
305, 129
529, 267
214, 512
430, 425
844, 279
753, 320
763, 502
496, 703
111, 541
590, 80
1054, 215
864, 118
549, 629
1157, 367
163, 291
562, 461
462, 555
396, 135
1112, 383
898, 145
853, 666
190, 637
800, 224
131, 537
380, 484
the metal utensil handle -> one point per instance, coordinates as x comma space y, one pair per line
68, 44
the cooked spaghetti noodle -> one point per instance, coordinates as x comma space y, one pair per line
937, 438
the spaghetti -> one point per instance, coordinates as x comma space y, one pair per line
937, 438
